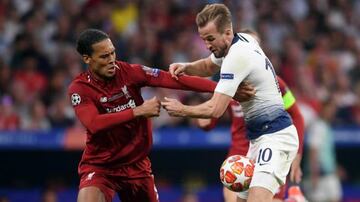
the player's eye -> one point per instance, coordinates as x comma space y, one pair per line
104, 56
210, 39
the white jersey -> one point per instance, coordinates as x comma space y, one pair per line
246, 61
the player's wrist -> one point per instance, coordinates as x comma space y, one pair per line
137, 111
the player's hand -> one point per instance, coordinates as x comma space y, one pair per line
149, 108
203, 123
296, 172
177, 69
244, 92
173, 107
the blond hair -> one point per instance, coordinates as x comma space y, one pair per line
218, 13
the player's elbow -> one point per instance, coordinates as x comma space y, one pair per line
216, 114
213, 111
93, 127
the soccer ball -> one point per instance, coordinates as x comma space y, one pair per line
236, 173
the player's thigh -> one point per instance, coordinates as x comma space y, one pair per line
95, 187
91, 194
229, 196
139, 190
259, 194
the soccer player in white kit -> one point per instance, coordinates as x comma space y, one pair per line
273, 137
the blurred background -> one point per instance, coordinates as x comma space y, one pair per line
314, 46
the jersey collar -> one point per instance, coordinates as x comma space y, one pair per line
235, 39
98, 81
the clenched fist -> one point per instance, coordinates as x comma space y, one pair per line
177, 69
149, 108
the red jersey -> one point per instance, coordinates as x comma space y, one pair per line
114, 136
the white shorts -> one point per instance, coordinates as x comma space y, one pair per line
273, 154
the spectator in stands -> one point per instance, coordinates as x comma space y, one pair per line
323, 183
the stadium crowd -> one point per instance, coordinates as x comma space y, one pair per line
314, 46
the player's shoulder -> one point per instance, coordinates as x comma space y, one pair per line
244, 45
79, 81
126, 67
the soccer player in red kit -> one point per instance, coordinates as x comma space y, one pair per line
108, 102
240, 144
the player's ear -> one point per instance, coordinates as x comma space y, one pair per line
228, 32
86, 58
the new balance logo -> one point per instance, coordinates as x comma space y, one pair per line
90, 176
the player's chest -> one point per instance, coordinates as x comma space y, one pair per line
118, 98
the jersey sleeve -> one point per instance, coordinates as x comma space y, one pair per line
292, 108
159, 78
288, 97
88, 114
234, 69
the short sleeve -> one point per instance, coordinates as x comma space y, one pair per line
235, 68
143, 74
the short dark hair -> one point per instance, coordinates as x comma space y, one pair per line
218, 13
87, 38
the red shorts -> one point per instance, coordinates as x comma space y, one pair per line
130, 189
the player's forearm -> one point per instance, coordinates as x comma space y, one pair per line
203, 67
214, 108
98, 122
205, 110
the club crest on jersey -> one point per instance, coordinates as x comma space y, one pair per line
75, 99
226, 76
151, 71
125, 91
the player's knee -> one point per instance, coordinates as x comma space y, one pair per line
265, 180
91, 194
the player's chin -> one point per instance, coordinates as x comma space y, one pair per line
109, 74
219, 54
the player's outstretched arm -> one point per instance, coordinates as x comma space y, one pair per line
203, 67
213, 108
153, 77
184, 82
95, 122
295, 171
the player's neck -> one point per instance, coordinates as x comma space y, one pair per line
98, 77
228, 44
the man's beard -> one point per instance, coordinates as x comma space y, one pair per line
221, 52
